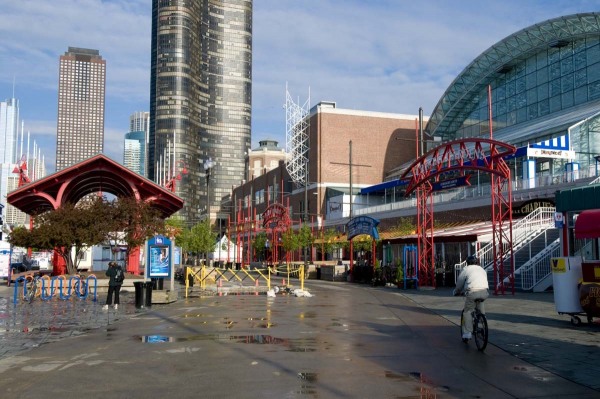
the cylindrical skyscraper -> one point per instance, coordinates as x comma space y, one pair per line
200, 98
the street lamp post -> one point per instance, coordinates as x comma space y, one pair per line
267, 251
208, 165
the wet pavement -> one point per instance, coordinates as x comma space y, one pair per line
345, 341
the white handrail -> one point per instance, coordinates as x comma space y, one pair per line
541, 218
539, 266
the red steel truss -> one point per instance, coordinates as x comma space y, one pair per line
425, 234
453, 161
504, 264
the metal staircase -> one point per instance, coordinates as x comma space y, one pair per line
532, 262
533, 238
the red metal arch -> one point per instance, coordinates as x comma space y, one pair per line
458, 158
96, 174
276, 220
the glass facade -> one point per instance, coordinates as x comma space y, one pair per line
534, 73
544, 80
134, 154
550, 81
200, 97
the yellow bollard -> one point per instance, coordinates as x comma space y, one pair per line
187, 280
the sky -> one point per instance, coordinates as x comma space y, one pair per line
372, 55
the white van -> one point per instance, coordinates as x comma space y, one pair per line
44, 264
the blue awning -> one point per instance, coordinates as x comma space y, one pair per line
383, 186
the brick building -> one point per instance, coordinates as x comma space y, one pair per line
380, 142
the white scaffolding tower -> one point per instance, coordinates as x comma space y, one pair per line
296, 127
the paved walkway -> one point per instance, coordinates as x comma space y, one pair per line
528, 326
347, 341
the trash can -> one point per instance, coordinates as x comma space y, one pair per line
143, 294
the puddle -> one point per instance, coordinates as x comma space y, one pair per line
155, 339
292, 345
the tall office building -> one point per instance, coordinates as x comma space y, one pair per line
9, 126
80, 127
136, 143
200, 98
139, 121
134, 154
12, 148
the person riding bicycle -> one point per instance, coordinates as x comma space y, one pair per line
473, 282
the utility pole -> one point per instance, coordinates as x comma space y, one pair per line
305, 207
350, 164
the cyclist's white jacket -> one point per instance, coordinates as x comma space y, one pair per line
472, 278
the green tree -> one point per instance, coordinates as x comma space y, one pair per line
69, 230
305, 236
405, 227
175, 227
135, 222
305, 239
289, 241
362, 243
329, 240
201, 239
259, 244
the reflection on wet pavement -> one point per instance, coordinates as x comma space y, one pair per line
29, 325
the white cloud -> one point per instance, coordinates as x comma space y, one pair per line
379, 55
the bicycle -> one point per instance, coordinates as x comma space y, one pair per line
31, 289
480, 327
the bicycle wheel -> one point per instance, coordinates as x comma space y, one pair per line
480, 330
31, 289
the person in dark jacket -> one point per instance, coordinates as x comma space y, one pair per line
114, 286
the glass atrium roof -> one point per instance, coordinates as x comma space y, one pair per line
462, 95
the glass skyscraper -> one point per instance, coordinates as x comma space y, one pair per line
80, 126
134, 154
9, 116
200, 98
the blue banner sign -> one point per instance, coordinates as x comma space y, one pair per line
159, 257
451, 183
363, 225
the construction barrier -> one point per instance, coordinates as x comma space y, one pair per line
245, 277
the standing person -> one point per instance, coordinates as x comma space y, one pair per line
116, 277
473, 282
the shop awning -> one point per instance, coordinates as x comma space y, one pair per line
587, 224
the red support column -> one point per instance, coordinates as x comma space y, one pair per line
59, 266
504, 265
133, 261
425, 235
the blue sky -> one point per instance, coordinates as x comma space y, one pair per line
376, 55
